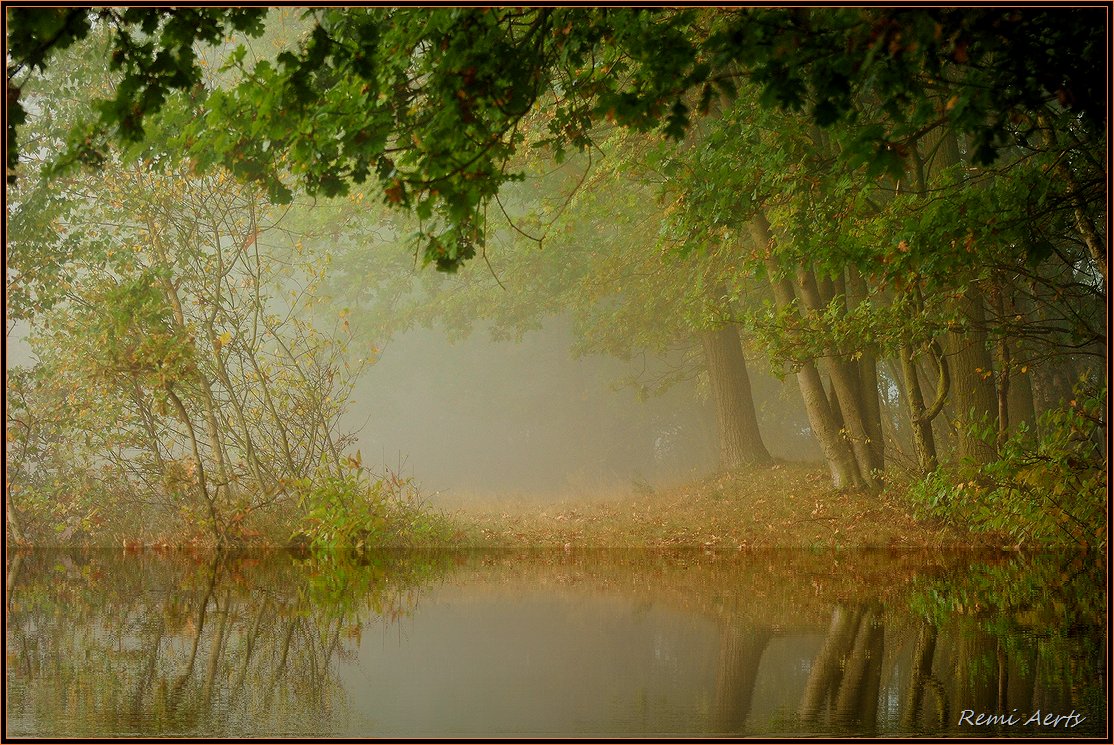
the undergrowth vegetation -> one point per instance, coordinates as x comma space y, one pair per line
1047, 487
359, 510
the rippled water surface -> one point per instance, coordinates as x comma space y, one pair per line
558, 644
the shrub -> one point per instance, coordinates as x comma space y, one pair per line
358, 510
1047, 487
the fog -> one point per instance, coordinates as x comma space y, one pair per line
476, 418
524, 418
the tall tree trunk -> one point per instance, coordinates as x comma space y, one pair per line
1004, 361
921, 416
739, 439
924, 444
972, 372
837, 453
845, 383
972, 369
1022, 407
868, 378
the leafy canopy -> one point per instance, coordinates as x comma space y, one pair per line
429, 102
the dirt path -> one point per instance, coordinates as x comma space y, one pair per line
786, 505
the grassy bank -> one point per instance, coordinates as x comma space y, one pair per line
786, 505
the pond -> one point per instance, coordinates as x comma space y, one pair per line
554, 644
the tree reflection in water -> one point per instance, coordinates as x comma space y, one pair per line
166, 645
103, 645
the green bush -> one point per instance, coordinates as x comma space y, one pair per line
344, 510
1047, 487
360, 510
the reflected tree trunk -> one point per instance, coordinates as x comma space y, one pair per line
741, 653
144, 681
1022, 678
976, 670
216, 650
249, 646
827, 669
280, 669
919, 679
857, 698
202, 609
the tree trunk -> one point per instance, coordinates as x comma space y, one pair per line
924, 444
841, 461
740, 442
920, 416
1003, 359
972, 372
1022, 408
845, 383
202, 488
868, 378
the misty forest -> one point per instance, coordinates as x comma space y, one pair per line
556, 372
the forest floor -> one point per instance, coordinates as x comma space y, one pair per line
782, 506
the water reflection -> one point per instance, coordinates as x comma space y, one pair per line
621, 643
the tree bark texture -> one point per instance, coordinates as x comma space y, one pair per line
837, 452
740, 442
973, 389
845, 383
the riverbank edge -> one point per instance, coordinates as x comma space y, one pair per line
783, 506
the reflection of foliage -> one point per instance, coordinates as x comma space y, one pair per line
1037, 588
385, 584
176, 645
1051, 600
1047, 487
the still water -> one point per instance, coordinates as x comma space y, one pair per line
564, 644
